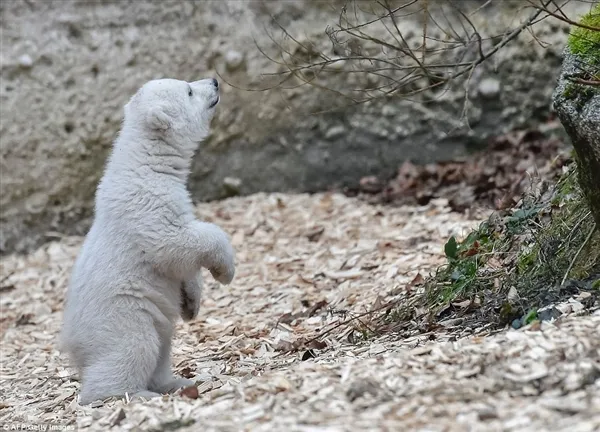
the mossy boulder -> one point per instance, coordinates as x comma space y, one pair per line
577, 103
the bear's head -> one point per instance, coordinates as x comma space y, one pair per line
175, 110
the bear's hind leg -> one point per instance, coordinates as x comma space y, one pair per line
125, 368
163, 380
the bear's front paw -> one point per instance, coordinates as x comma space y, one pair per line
224, 276
224, 267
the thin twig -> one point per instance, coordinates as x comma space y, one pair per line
567, 20
585, 82
425, 16
388, 305
587, 239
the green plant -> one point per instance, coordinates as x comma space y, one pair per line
532, 251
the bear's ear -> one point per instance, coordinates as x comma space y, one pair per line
159, 118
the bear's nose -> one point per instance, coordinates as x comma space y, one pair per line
215, 83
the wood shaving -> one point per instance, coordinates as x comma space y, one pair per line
306, 263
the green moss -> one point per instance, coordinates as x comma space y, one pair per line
579, 93
585, 42
569, 91
527, 258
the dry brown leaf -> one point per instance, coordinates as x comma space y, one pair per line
190, 392
7, 288
308, 354
462, 304
494, 263
315, 233
316, 307
248, 351
187, 372
316, 344
286, 318
417, 280
376, 304
285, 346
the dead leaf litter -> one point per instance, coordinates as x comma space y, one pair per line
269, 352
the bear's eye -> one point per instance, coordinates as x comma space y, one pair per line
190, 92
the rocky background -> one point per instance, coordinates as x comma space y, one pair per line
68, 67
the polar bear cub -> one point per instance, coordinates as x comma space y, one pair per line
138, 270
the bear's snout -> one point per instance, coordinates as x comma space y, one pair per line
215, 83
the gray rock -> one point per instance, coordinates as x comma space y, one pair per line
25, 61
548, 313
91, 57
578, 108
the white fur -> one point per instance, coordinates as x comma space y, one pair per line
138, 269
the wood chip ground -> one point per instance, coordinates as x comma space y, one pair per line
306, 263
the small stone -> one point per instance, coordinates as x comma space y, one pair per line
335, 132
36, 203
370, 184
381, 132
564, 308
232, 185
576, 306
389, 111
233, 60
583, 295
25, 61
489, 88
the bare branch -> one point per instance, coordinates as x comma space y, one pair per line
595, 83
562, 16
382, 57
